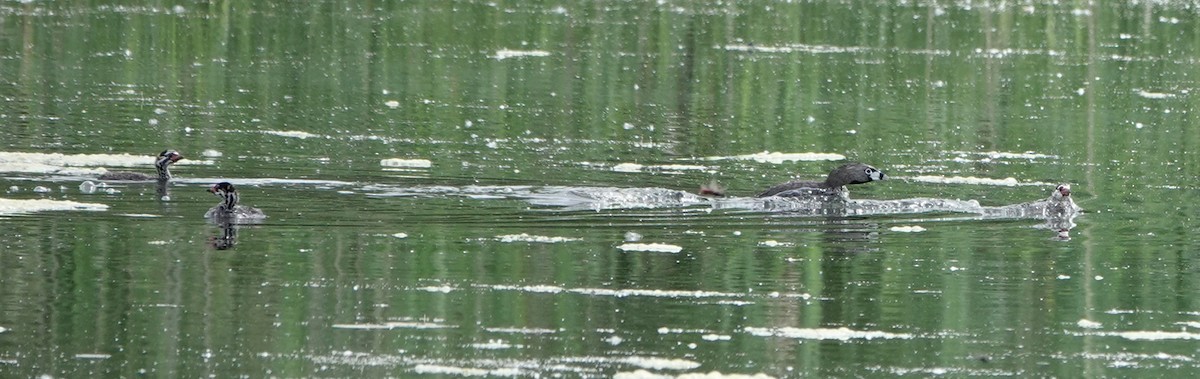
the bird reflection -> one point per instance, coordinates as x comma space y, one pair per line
163, 190
228, 236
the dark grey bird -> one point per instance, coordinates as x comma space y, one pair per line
834, 184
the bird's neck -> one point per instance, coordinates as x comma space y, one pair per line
164, 171
231, 200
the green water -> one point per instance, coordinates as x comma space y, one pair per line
370, 270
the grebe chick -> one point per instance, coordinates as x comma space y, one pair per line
1060, 203
229, 208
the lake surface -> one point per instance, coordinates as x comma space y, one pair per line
484, 189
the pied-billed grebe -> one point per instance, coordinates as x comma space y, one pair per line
164, 161
228, 207
834, 184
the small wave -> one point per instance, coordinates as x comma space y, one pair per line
602, 198
263, 181
840, 334
405, 163
385, 190
778, 157
1006, 182
292, 134
13, 207
503, 54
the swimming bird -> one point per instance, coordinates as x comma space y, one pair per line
834, 184
1060, 211
1060, 204
165, 159
229, 208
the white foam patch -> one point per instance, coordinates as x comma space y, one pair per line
1190, 324
1087, 324
160, 305
76, 160
824, 49
774, 243
1153, 335
35, 168
291, 134
840, 334
393, 325
719, 375
1006, 53
777, 157
534, 289
795, 48
1006, 182
655, 363
682, 167
627, 167
139, 215
1025, 155
651, 247
493, 345
1003, 155
651, 293
452, 370
503, 54
643, 374
523, 237
907, 229
677, 294
12, 207
634, 167
406, 163
1128, 359
530, 331
1154, 95
261, 181
437, 289
74, 164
